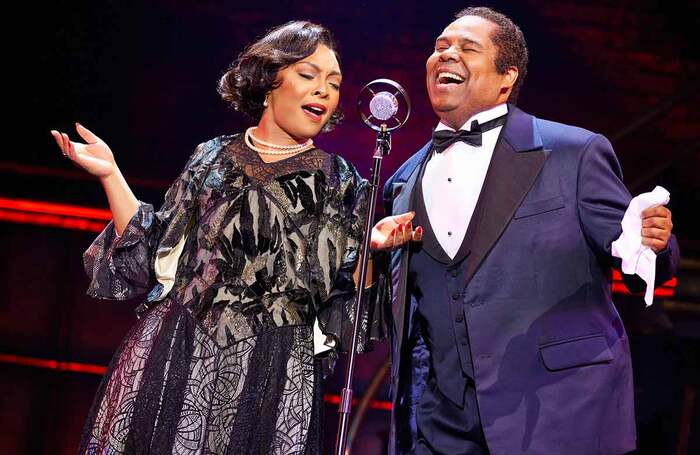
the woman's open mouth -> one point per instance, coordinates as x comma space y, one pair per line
314, 111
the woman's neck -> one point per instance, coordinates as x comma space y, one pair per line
268, 131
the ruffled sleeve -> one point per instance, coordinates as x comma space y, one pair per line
348, 208
121, 267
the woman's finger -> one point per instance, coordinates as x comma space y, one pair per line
398, 237
409, 234
86, 134
391, 239
418, 234
403, 218
66, 143
71, 150
59, 140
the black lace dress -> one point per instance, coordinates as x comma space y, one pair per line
222, 357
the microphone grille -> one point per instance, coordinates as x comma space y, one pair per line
383, 105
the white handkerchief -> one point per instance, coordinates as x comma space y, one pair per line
638, 258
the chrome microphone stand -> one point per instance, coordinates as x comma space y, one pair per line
384, 107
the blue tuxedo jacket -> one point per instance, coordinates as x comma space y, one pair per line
550, 354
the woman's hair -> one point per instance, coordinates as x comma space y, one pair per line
254, 73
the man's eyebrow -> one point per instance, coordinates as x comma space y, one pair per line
318, 68
471, 41
462, 41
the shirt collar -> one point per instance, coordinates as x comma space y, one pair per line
481, 117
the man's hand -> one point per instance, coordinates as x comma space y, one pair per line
656, 227
393, 231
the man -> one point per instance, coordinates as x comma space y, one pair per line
506, 340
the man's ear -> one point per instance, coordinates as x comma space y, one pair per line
509, 78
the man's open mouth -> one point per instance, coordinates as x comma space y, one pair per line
446, 77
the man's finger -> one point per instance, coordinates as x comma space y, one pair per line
657, 222
658, 210
654, 233
655, 244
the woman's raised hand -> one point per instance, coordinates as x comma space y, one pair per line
394, 231
94, 156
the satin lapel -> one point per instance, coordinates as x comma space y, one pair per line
510, 176
403, 197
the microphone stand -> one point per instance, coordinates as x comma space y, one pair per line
382, 147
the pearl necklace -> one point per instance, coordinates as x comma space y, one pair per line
280, 149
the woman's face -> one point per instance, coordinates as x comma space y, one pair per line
308, 95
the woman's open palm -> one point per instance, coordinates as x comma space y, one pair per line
94, 156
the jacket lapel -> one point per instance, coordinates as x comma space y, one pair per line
516, 163
405, 182
402, 193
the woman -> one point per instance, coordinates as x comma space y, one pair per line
255, 246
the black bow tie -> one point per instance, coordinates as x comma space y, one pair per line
444, 138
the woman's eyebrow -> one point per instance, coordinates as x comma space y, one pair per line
318, 68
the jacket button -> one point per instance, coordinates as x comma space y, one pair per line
455, 296
454, 272
459, 318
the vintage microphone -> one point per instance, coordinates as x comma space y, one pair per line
389, 108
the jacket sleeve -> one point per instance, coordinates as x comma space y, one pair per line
121, 267
602, 200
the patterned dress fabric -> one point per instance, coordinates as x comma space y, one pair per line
224, 362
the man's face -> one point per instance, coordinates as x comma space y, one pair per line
461, 73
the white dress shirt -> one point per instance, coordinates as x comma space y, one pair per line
453, 179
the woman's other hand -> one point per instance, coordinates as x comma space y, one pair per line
394, 231
94, 156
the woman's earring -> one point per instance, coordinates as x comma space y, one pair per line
265, 103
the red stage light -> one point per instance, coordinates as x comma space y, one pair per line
88, 368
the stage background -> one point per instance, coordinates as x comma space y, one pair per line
143, 75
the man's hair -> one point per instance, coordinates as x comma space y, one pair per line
509, 39
254, 73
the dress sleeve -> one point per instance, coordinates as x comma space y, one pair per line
337, 313
121, 267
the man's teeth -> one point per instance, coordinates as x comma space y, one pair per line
446, 77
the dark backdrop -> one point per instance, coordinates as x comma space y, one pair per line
143, 75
